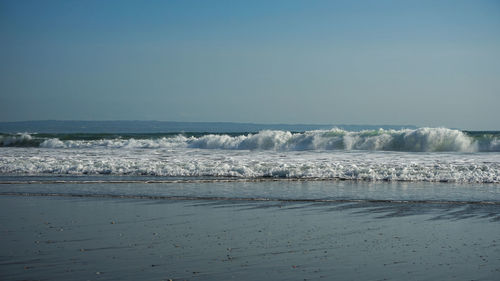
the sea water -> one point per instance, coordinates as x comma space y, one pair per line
408, 164
265, 205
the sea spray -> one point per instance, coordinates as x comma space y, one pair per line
410, 140
22, 139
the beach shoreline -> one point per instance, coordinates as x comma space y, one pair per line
62, 238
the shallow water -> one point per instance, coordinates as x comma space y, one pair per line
277, 190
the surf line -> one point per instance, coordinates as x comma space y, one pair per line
248, 199
231, 180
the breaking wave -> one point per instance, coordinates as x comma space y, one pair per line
410, 140
370, 155
420, 140
23, 139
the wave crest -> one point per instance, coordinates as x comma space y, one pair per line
21, 139
410, 140
419, 140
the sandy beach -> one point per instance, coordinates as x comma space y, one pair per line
68, 238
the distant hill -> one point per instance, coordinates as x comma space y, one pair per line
54, 126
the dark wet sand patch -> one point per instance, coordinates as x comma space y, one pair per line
71, 238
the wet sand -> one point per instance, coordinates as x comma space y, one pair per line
68, 238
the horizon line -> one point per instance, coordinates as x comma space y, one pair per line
227, 122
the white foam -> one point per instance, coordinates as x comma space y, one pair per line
187, 162
178, 141
419, 140
53, 143
15, 139
443, 155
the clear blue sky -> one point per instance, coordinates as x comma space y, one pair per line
427, 63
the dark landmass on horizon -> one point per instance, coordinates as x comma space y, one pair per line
59, 126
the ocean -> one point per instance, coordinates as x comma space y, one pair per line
416, 155
423, 203
463, 160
